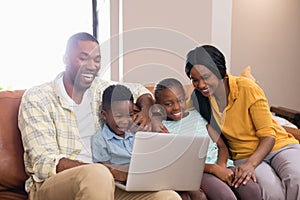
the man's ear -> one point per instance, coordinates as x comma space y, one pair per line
103, 114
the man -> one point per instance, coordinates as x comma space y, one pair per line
57, 120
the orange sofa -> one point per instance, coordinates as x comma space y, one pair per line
12, 173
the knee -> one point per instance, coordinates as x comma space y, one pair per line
96, 172
96, 182
226, 195
274, 194
293, 183
167, 195
250, 191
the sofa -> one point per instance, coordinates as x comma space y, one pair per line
12, 174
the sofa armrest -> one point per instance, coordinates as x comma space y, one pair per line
294, 131
291, 115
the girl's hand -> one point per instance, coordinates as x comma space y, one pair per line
225, 174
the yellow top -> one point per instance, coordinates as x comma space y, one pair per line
247, 117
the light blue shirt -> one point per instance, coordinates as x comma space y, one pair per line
195, 124
107, 146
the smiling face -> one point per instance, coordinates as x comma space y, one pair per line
82, 65
173, 101
204, 80
119, 116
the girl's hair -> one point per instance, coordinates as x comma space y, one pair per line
210, 57
115, 93
166, 84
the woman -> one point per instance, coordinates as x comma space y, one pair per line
239, 110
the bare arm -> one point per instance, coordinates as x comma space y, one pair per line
222, 148
66, 163
223, 173
141, 120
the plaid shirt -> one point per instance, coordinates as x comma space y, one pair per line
49, 128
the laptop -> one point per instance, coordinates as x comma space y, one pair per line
166, 161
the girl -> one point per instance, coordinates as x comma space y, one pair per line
218, 173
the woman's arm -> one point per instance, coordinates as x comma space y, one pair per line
262, 126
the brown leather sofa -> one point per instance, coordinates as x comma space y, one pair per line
12, 174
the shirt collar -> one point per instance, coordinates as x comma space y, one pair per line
108, 134
233, 88
233, 92
62, 95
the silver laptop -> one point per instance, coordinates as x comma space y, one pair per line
166, 161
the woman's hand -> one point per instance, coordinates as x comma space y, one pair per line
243, 173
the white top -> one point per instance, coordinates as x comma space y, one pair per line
84, 115
195, 124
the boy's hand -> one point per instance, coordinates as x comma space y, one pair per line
119, 172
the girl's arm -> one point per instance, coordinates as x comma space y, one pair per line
223, 154
223, 173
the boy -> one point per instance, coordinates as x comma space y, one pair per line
112, 145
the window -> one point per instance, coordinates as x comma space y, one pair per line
33, 38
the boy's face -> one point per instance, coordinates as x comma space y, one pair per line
173, 100
119, 117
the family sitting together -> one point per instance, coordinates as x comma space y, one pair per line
75, 128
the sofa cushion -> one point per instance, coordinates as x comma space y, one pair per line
12, 173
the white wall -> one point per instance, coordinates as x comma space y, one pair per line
156, 36
266, 36
263, 34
